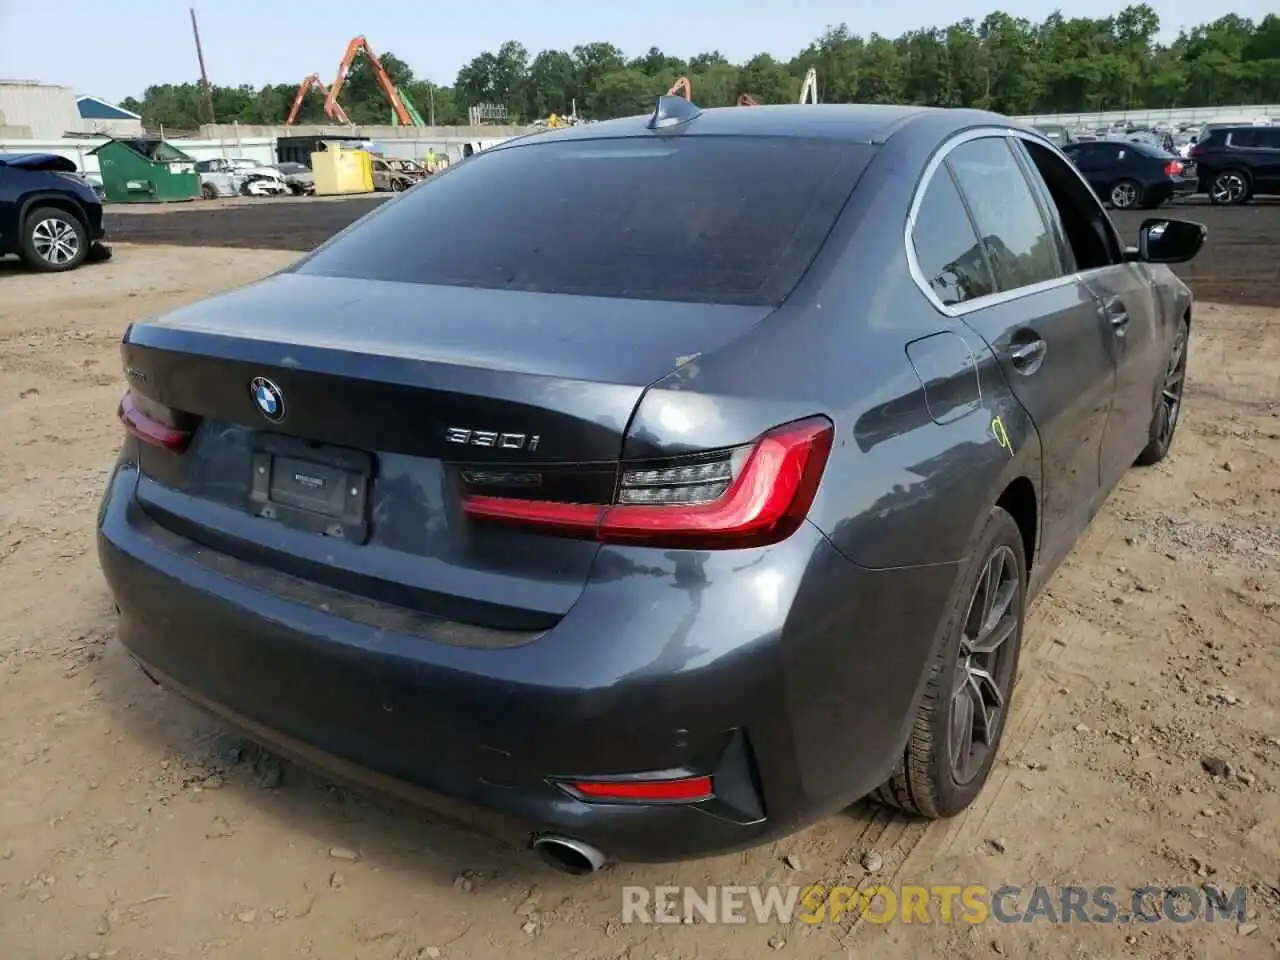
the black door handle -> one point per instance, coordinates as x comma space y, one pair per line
1027, 357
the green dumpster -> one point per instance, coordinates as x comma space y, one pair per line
146, 170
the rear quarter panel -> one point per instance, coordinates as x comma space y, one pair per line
914, 469
900, 488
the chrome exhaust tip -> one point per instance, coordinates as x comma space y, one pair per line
568, 856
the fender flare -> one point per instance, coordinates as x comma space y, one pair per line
1026, 463
33, 199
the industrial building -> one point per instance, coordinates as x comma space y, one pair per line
38, 110
47, 111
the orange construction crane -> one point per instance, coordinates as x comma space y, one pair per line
384, 81
683, 87
334, 113
808, 91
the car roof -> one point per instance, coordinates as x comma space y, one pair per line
870, 123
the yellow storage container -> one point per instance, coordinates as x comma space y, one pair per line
339, 171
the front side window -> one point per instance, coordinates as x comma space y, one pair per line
1089, 234
707, 219
1018, 242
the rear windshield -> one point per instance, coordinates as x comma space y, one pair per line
1150, 150
702, 219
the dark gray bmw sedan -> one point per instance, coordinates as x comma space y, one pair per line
655, 486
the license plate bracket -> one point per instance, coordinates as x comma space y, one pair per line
309, 486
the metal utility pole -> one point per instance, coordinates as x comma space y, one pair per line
431, 104
204, 77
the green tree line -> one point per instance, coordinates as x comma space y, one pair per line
1002, 63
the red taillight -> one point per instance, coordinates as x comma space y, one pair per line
1173, 168
1195, 151
746, 497
145, 420
684, 790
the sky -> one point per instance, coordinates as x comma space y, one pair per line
116, 48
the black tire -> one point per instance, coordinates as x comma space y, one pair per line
397, 186
53, 240
208, 191
1124, 195
926, 781
1164, 421
1229, 188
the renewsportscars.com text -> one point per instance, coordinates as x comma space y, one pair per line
971, 904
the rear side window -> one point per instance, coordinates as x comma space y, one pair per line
946, 247
1020, 246
706, 219
1082, 153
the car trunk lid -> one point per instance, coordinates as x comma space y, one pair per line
390, 395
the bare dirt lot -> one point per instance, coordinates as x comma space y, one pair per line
1144, 748
1241, 264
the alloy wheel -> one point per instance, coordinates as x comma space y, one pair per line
984, 669
1229, 188
1124, 196
55, 241
1171, 392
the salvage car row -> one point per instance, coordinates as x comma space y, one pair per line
51, 213
1230, 163
237, 176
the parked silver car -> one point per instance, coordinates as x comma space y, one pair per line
298, 177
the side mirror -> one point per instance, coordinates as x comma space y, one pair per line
1162, 240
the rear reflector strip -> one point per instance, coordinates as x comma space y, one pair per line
685, 790
744, 497
147, 428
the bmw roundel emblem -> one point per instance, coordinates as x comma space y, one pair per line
269, 399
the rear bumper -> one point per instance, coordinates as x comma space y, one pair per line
1170, 190
796, 705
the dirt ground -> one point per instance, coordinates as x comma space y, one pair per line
132, 827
